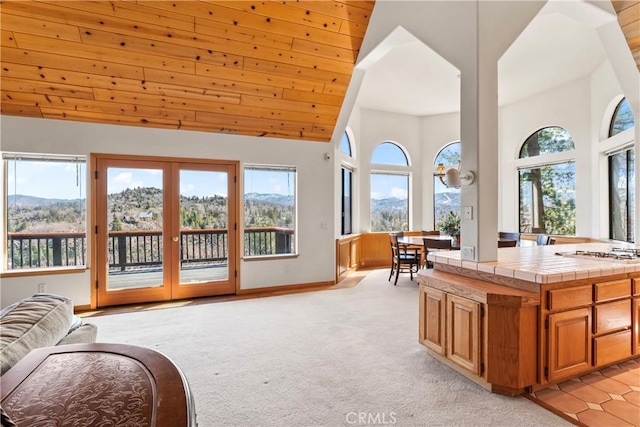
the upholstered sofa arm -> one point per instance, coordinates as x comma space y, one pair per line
42, 320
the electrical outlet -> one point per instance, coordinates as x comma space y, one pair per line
468, 252
42, 288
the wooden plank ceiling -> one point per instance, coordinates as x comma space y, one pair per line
629, 20
259, 68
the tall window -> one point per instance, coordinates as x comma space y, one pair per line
446, 199
622, 118
389, 189
547, 189
346, 212
269, 210
347, 199
621, 195
621, 178
45, 199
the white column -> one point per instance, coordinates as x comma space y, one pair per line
479, 137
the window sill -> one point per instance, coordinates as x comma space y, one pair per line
269, 257
42, 272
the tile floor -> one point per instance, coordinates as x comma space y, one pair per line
609, 397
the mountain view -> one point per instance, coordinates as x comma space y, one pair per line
141, 209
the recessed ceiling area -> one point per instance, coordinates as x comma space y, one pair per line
553, 50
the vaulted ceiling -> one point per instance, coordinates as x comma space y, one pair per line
258, 68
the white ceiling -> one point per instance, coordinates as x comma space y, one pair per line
553, 50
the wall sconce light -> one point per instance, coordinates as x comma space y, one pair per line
453, 178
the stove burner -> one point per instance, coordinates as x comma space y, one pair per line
615, 253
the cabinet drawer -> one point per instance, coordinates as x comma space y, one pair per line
612, 348
560, 299
606, 291
612, 316
636, 287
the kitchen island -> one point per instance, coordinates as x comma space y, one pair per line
536, 316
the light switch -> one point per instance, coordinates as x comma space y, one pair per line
468, 212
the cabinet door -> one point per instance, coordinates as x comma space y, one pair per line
432, 319
463, 333
636, 327
569, 343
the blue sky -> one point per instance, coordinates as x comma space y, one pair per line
56, 180
51, 180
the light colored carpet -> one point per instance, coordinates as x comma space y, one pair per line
330, 358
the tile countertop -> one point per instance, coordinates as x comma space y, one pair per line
540, 264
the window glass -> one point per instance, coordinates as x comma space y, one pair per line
345, 144
269, 210
347, 179
45, 199
388, 153
445, 199
389, 202
449, 155
545, 141
622, 118
547, 199
621, 195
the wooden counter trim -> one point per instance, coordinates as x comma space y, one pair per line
522, 285
477, 290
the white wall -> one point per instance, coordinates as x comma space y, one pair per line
404, 130
579, 107
568, 107
437, 132
316, 259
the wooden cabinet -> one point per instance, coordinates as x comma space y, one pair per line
463, 333
483, 330
450, 327
569, 343
432, 328
587, 326
636, 325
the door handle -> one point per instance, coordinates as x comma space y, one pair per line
175, 239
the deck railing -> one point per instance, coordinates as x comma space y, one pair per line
140, 249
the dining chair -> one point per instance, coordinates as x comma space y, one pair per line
431, 232
542, 239
403, 258
434, 245
509, 235
507, 243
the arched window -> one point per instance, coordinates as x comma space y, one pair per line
388, 153
389, 189
546, 141
622, 118
547, 189
445, 199
345, 144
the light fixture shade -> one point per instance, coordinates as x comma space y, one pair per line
452, 178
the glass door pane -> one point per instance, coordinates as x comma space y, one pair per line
204, 219
135, 228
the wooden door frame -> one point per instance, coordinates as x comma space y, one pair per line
233, 201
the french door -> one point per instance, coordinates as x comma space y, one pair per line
165, 229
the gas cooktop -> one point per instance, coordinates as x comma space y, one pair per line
625, 255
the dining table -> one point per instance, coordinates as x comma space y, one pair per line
455, 243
